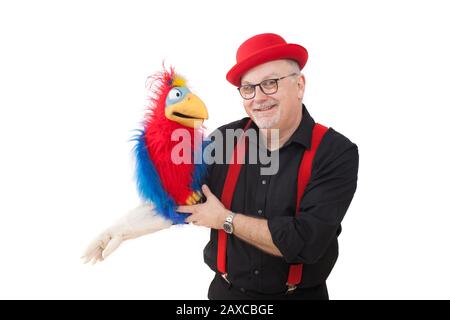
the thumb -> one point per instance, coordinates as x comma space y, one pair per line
206, 191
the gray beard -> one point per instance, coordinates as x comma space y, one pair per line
266, 123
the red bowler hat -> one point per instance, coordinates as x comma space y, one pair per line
263, 48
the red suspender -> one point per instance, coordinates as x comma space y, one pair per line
234, 168
304, 174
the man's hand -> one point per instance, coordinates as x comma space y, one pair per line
210, 214
138, 222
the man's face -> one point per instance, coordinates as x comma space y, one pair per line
281, 109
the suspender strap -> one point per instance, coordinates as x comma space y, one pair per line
234, 169
304, 175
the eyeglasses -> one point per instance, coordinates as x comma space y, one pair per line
268, 86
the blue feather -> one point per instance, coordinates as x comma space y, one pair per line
200, 169
149, 184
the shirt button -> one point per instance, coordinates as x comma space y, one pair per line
256, 272
264, 182
242, 290
259, 211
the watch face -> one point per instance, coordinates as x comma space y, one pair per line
227, 227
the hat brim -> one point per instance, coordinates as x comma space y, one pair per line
284, 51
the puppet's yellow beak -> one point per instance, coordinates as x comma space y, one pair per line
190, 112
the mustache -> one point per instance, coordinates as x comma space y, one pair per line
259, 106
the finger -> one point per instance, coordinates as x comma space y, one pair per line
94, 261
100, 241
99, 254
85, 259
112, 245
93, 255
94, 251
206, 191
90, 255
190, 219
186, 209
98, 257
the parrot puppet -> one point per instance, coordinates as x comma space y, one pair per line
160, 179
163, 182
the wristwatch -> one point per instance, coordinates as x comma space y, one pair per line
228, 224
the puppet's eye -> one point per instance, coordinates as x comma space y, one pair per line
174, 95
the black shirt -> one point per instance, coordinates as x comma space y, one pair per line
311, 237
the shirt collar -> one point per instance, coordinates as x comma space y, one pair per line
303, 134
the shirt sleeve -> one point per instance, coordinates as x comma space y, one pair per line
305, 238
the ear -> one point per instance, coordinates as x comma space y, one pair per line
301, 82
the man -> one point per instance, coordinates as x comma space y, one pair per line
268, 243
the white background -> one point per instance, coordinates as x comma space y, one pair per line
72, 77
